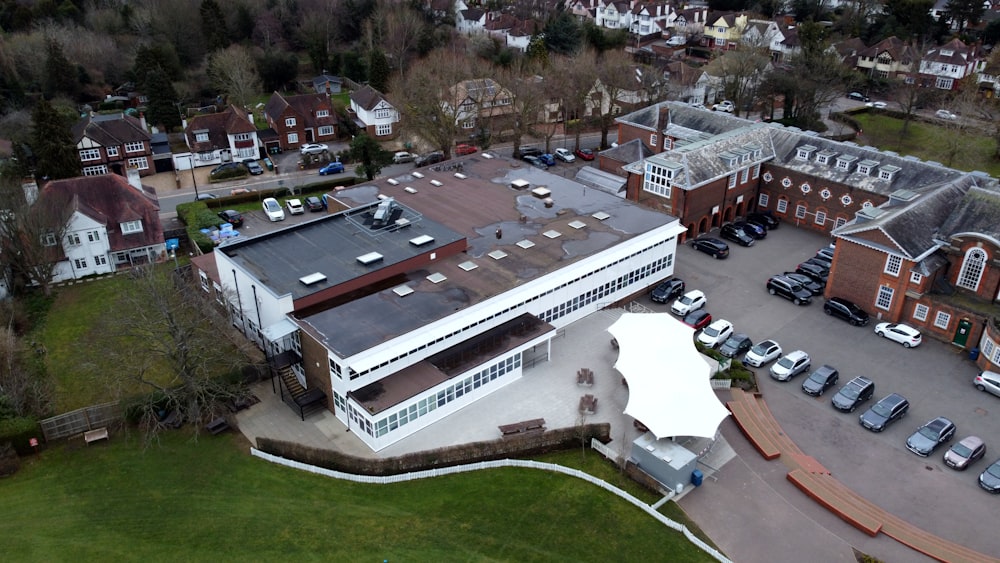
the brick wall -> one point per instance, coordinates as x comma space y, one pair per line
316, 363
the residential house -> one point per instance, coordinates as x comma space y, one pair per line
690, 21
302, 119
519, 36
946, 66
374, 114
726, 31
471, 20
651, 18
689, 84
613, 15
848, 51
215, 138
759, 33
326, 84
112, 143
889, 58
480, 104
114, 224
785, 43
988, 77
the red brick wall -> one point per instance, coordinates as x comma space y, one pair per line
989, 283
859, 281
316, 363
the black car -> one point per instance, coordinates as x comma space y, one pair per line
530, 151
735, 345
989, 479
253, 167
667, 291
844, 309
887, 410
226, 168
765, 219
817, 273
232, 217
429, 158
752, 229
789, 289
731, 232
314, 203
821, 262
928, 437
820, 380
857, 391
811, 285
858, 96
535, 161
712, 246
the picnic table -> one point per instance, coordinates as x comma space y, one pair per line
588, 404
585, 377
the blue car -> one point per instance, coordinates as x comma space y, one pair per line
548, 159
332, 168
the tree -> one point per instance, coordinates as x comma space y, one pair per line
233, 72
23, 391
168, 336
427, 97
213, 25
526, 87
563, 35
52, 143
369, 155
277, 69
378, 70
619, 79
162, 108
964, 13
741, 71
60, 74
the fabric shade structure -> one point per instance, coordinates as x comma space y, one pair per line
668, 379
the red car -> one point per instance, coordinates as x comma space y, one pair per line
698, 319
462, 150
585, 154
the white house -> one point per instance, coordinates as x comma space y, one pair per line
945, 66
373, 113
220, 137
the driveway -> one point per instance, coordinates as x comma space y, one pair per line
935, 377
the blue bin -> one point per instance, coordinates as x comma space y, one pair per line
974, 354
696, 477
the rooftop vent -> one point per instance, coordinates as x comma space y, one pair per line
525, 243
312, 278
436, 277
392, 182
520, 184
903, 195
418, 175
384, 210
402, 290
402, 222
410, 190
421, 240
370, 258
871, 213
497, 254
552, 234
460, 176
436, 183
577, 224
541, 192
468, 265
600, 216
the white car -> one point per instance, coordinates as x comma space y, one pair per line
762, 353
945, 114
403, 157
790, 365
273, 209
906, 335
716, 333
295, 207
690, 301
725, 105
313, 148
564, 155
876, 105
677, 41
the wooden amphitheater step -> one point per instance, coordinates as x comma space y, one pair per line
752, 428
780, 439
931, 545
824, 490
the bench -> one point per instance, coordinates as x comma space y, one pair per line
588, 404
524, 427
217, 426
95, 435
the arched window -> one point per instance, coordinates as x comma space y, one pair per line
972, 269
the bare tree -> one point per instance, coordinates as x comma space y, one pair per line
428, 99
400, 29
31, 233
741, 71
23, 392
234, 72
621, 84
526, 87
574, 88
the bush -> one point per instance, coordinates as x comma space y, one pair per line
9, 462
18, 432
229, 174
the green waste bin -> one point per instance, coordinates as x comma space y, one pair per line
269, 164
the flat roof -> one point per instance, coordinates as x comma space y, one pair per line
513, 237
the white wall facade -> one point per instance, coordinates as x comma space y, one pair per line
87, 249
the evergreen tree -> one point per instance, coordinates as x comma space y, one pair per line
378, 71
369, 156
52, 144
563, 35
213, 25
60, 74
162, 107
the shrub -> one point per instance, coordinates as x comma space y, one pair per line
18, 432
229, 174
9, 462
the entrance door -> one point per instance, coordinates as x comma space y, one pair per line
962, 333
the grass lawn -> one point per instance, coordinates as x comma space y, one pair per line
971, 148
209, 500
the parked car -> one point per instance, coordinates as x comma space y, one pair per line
273, 209
736, 234
584, 154
564, 155
403, 157
844, 309
332, 168
313, 148
855, 392
858, 96
295, 206
967, 451
224, 168
887, 410
988, 381
990, 479
877, 105
667, 290
810, 285
735, 345
530, 151
821, 379
826, 253
763, 218
945, 114
932, 434
677, 41
690, 301
725, 105
535, 161
716, 333
429, 159
698, 319
465, 149
789, 289
204, 197
231, 216
253, 167
752, 229
906, 335
790, 365
548, 159
314, 203
821, 262
762, 353
817, 273
711, 246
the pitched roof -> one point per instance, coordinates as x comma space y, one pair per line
707, 159
109, 200
218, 126
109, 129
953, 52
895, 47
367, 97
977, 212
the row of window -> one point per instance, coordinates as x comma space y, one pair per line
81, 263
845, 162
95, 154
516, 309
941, 319
991, 349
801, 210
73, 239
291, 121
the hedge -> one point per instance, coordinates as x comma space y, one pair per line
19, 432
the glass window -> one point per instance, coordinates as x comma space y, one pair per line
293, 138
137, 146
141, 163
732, 180
383, 130
972, 269
762, 200
884, 299
800, 211
112, 151
893, 264
820, 217
90, 154
942, 319
73, 239
920, 312
289, 122
916, 277
129, 227
322, 113
782, 205
326, 130
80, 263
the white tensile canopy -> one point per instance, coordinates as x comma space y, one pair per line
668, 380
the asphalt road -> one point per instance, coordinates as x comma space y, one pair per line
936, 378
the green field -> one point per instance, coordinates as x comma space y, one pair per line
210, 501
962, 149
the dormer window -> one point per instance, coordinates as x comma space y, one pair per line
845, 161
824, 157
804, 152
652, 139
129, 227
201, 136
866, 167
887, 172
729, 158
947, 52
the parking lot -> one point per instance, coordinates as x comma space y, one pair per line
935, 377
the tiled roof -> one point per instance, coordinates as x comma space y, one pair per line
895, 47
959, 53
109, 130
367, 97
977, 212
306, 105
218, 126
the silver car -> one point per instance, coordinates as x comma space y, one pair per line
965, 453
988, 381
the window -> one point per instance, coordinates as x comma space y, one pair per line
322, 113
915, 277
972, 269
720, 42
80, 263
242, 137
383, 113
893, 264
652, 139
942, 319
201, 136
130, 227
745, 176
840, 222
821, 217
756, 171
944, 83
293, 138
141, 163
782, 205
657, 180
865, 169
920, 312
72, 239
93, 236
95, 170
48, 239
90, 154
884, 298
112, 151
382, 130
762, 200
800, 211
100, 260
289, 122
469, 124
843, 164
823, 157
135, 146
732, 180
325, 131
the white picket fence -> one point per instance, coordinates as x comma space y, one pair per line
412, 476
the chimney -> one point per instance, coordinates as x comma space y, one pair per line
132, 175
664, 118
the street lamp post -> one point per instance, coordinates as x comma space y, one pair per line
193, 178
